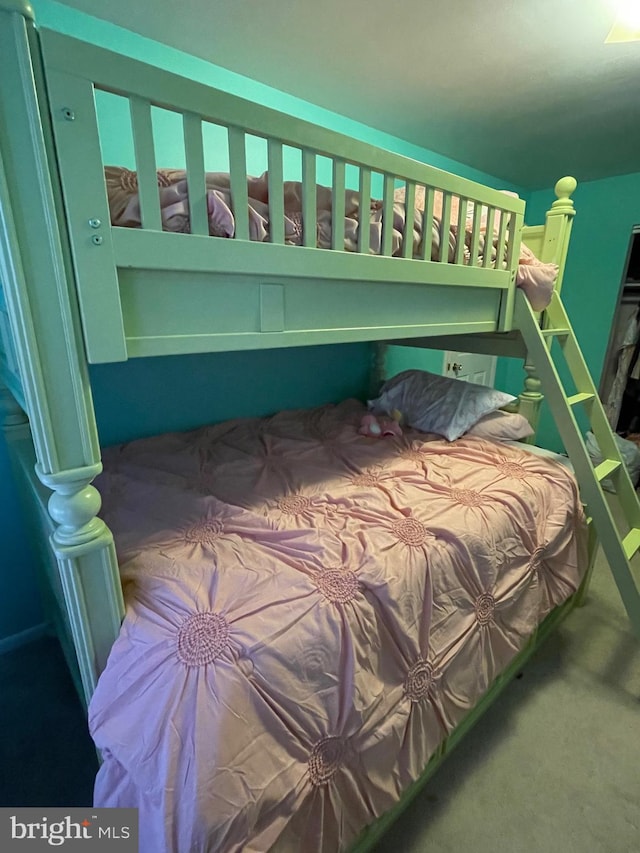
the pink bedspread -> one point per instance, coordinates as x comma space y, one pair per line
309, 613
534, 277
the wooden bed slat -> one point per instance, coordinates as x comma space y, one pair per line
514, 226
443, 254
513, 235
475, 235
337, 206
409, 219
387, 216
364, 233
461, 236
309, 200
238, 182
500, 246
194, 154
145, 163
276, 192
487, 261
427, 223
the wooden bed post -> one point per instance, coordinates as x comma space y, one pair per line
550, 243
530, 399
557, 230
41, 302
378, 365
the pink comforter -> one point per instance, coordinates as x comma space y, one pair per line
309, 613
534, 277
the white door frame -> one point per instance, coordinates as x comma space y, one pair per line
466, 360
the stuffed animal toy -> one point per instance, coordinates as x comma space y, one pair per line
380, 426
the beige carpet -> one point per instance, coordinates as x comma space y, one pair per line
554, 765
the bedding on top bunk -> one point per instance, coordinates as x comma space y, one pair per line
309, 613
534, 277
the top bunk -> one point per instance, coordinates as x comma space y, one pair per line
335, 241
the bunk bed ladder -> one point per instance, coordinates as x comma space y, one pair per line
620, 540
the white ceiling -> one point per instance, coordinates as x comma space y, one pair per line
530, 82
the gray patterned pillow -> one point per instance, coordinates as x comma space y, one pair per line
432, 403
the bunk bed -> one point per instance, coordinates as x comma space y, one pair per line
80, 286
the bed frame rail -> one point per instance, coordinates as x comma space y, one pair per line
74, 70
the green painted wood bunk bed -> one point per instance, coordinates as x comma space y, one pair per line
78, 290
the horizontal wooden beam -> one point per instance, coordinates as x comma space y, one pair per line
505, 344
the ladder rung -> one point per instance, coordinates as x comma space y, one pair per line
631, 542
552, 333
619, 545
579, 398
605, 468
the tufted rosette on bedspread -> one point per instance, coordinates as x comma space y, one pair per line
309, 613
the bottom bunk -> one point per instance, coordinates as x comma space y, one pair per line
313, 615
373, 833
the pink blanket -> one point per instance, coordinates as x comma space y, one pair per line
309, 613
536, 279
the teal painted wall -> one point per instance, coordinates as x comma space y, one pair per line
131, 399
20, 607
63, 19
606, 212
148, 396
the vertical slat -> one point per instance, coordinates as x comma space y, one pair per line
238, 182
145, 163
364, 228
514, 230
337, 206
514, 238
461, 236
309, 200
409, 219
488, 238
276, 191
427, 224
387, 215
194, 154
475, 234
501, 253
445, 224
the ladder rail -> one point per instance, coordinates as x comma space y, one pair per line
619, 548
557, 318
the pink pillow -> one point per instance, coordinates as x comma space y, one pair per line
502, 426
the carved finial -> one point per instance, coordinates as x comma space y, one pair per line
74, 506
563, 190
532, 384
